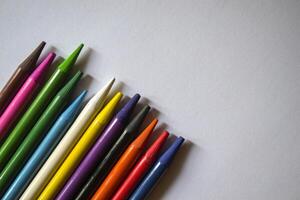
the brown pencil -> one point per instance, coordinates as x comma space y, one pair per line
19, 76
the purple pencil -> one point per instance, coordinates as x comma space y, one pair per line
98, 151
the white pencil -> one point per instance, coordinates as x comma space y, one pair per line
81, 123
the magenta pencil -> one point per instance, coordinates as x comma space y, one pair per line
24, 96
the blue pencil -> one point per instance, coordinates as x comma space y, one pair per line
44, 149
156, 171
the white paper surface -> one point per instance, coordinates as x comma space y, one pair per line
223, 74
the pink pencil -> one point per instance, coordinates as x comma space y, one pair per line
24, 96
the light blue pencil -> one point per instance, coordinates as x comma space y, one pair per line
44, 149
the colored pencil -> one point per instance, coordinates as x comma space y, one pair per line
44, 149
156, 171
141, 168
37, 133
66, 144
24, 96
124, 165
108, 136
37, 107
81, 176
80, 149
19, 76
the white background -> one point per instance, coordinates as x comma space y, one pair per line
223, 74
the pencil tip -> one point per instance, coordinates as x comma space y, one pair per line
70, 84
29, 63
142, 138
109, 108
67, 64
171, 151
40, 70
157, 144
137, 121
125, 112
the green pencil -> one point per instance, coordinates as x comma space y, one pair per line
36, 108
37, 133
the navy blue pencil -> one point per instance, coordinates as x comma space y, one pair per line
156, 171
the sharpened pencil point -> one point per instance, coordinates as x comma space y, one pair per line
67, 64
124, 113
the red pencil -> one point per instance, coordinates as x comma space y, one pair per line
141, 168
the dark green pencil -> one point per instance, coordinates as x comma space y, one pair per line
37, 107
37, 133
102, 170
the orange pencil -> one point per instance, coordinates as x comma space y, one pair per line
123, 166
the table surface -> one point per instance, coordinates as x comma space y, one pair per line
223, 74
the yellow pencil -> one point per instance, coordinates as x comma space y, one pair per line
80, 149
66, 144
